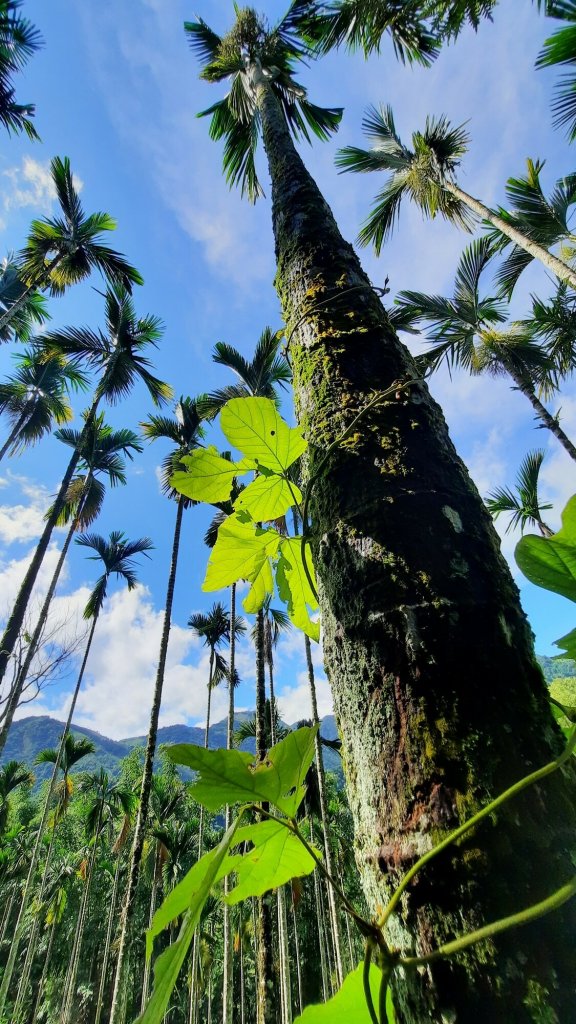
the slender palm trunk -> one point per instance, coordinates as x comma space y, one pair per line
19, 929
264, 985
37, 634
14, 624
108, 942
142, 817
538, 252
412, 586
320, 925
7, 916
297, 954
44, 974
15, 432
228, 962
332, 905
542, 414
70, 984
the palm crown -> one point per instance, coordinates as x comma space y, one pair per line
213, 628
184, 430
523, 503
257, 376
19, 39
32, 313
418, 173
273, 52
560, 48
117, 555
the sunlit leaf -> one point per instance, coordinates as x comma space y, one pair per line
254, 426
349, 1003
262, 585
567, 645
240, 552
277, 856
268, 497
294, 587
233, 776
550, 562
208, 476
188, 897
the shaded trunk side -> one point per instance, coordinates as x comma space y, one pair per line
427, 649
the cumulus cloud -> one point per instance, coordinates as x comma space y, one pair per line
20, 523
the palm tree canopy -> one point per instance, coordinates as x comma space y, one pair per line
542, 218
560, 48
213, 628
73, 751
416, 30
523, 503
30, 315
19, 39
39, 388
274, 52
256, 377
418, 172
12, 775
117, 554
119, 347
185, 430
63, 250
106, 799
553, 323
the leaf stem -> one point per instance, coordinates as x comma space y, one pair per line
508, 794
366, 981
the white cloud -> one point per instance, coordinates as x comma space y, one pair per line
294, 701
21, 523
29, 184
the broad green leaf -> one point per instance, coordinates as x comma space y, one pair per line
262, 585
239, 553
233, 776
550, 562
276, 857
293, 586
191, 897
567, 645
208, 476
255, 427
193, 891
349, 1003
268, 497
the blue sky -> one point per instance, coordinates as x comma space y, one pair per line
116, 90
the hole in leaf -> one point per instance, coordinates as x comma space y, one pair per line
272, 432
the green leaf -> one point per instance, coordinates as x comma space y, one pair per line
268, 497
567, 645
349, 1003
550, 562
240, 552
276, 857
293, 586
208, 476
189, 896
254, 426
262, 585
233, 776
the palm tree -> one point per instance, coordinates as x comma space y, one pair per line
465, 333
62, 251
117, 556
117, 851
214, 629
19, 39
258, 376
524, 503
426, 174
36, 396
12, 775
396, 519
185, 431
30, 315
106, 800
101, 452
118, 355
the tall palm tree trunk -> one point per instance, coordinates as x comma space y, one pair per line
108, 942
37, 634
15, 432
557, 266
264, 987
44, 975
70, 983
152, 911
19, 928
228, 962
142, 816
321, 927
284, 956
332, 905
543, 415
412, 586
297, 953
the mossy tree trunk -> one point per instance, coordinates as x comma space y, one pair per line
439, 700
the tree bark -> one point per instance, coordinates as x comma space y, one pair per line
142, 817
427, 649
14, 433
543, 415
538, 252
